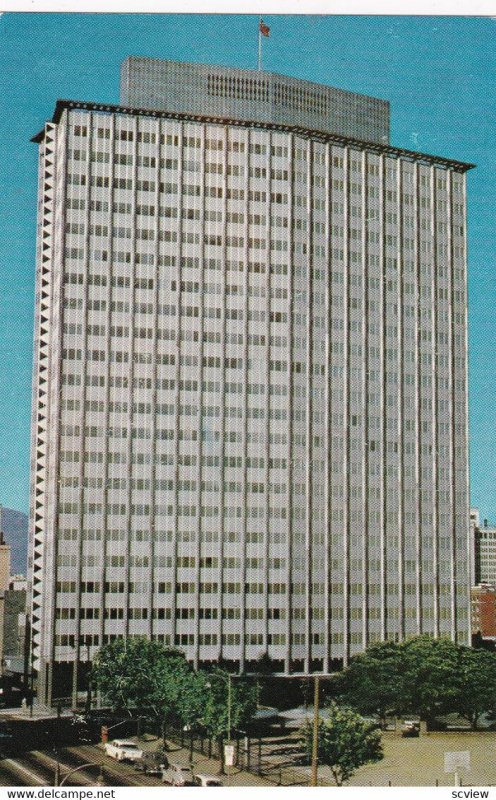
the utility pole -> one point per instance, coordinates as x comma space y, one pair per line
315, 738
229, 748
229, 708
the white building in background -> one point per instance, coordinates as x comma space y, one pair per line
483, 550
250, 401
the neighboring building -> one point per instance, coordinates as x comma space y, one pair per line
484, 550
18, 583
484, 611
15, 531
14, 627
250, 405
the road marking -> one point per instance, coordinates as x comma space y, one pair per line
26, 771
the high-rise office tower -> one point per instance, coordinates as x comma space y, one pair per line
250, 405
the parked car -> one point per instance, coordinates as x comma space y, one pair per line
152, 763
177, 775
410, 728
123, 750
206, 780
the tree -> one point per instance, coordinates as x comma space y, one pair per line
372, 683
136, 673
345, 742
476, 684
430, 676
422, 675
219, 716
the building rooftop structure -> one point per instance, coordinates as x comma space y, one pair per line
252, 95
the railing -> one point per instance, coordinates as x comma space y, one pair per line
249, 756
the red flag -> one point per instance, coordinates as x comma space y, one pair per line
264, 29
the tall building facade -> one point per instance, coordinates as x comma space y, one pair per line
250, 399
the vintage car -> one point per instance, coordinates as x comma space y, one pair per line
206, 780
177, 775
123, 750
152, 763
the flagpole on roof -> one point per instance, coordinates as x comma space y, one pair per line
263, 30
259, 44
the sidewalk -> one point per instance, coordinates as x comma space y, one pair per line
210, 766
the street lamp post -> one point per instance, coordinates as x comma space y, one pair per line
88, 678
75, 676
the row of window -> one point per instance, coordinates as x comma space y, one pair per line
238, 170
185, 639
186, 562
229, 537
150, 137
145, 509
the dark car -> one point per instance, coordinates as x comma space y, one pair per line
152, 763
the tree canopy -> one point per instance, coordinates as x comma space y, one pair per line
136, 673
476, 684
215, 707
345, 742
429, 676
373, 681
424, 676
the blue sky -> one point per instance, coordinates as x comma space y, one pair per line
438, 73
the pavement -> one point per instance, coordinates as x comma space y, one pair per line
204, 765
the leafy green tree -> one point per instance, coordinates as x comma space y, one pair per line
422, 675
429, 683
136, 673
213, 690
372, 683
476, 684
345, 742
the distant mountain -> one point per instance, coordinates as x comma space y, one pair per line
15, 529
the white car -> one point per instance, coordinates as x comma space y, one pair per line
123, 750
177, 775
206, 780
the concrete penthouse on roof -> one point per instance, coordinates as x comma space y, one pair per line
250, 398
252, 95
